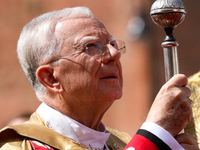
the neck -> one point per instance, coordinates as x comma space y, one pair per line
88, 114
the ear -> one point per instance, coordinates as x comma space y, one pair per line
45, 75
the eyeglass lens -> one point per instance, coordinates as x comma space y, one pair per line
98, 48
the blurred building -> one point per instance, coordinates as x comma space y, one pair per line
142, 64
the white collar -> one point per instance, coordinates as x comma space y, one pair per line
73, 129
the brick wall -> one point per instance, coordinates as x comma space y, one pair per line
142, 65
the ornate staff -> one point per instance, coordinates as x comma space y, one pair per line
168, 14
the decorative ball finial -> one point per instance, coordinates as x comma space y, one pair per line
168, 14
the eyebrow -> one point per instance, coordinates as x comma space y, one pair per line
88, 38
112, 38
78, 43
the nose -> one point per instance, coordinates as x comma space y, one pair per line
112, 54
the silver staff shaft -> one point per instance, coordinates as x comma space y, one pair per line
171, 64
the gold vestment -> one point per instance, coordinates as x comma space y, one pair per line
194, 126
16, 137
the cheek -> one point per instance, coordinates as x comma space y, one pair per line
80, 76
94, 64
119, 66
92, 67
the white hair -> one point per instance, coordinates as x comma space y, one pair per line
37, 43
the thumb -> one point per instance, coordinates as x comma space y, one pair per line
178, 80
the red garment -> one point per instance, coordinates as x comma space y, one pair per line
144, 140
39, 146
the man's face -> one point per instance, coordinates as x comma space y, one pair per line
91, 79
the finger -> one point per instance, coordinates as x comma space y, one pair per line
182, 91
191, 102
178, 80
185, 138
186, 91
190, 147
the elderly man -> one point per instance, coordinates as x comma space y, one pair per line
73, 64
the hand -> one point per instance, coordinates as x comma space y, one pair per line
171, 108
187, 141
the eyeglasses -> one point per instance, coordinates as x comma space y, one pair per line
98, 48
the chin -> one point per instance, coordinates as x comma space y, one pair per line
109, 94
114, 95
